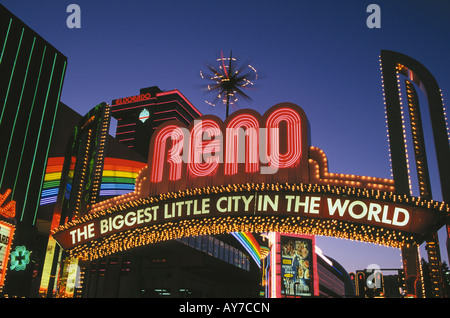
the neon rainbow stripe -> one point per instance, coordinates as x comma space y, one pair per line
51, 180
250, 244
119, 176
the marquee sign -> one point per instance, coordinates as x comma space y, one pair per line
247, 147
6, 237
295, 270
251, 173
7, 211
294, 208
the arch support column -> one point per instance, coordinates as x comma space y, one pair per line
412, 270
434, 260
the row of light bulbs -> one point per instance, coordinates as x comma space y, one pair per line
218, 225
251, 187
256, 224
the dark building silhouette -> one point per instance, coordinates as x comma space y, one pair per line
82, 158
138, 116
31, 79
374, 284
334, 281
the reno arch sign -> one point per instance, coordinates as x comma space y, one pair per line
253, 173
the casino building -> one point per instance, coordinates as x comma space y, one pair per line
31, 79
138, 116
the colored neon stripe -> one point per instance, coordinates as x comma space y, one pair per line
6, 97
51, 132
171, 111
53, 168
31, 111
51, 184
50, 192
248, 247
17, 115
104, 193
119, 177
53, 161
253, 243
118, 180
6, 40
124, 166
249, 242
49, 200
38, 138
12, 75
124, 162
123, 174
52, 176
53, 123
114, 186
107, 170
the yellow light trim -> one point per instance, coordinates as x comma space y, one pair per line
256, 224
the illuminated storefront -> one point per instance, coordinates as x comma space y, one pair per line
32, 73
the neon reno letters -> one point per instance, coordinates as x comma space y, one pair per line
245, 148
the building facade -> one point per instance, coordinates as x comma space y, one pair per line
31, 79
138, 116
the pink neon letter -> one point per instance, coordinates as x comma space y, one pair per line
293, 135
202, 161
175, 133
234, 149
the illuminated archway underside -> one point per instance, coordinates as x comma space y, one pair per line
426, 214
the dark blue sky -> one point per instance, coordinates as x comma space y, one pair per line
317, 54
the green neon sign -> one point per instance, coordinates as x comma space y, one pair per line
20, 258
